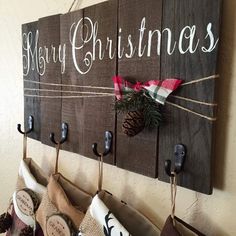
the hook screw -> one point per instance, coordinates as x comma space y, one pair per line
179, 153
108, 145
30, 126
64, 134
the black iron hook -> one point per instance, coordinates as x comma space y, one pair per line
108, 144
64, 134
30, 126
180, 153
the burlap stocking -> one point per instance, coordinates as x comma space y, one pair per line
32, 177
62, 197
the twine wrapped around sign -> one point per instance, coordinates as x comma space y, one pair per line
194, 101
192, 112
201, 80
90, 94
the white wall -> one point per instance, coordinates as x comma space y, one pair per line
214, 215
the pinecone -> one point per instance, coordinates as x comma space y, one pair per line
27, 231
133, 123
5, 222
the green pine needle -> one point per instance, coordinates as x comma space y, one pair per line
134, 101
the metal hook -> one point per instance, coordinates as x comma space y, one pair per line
30, 126
108, 144
180, 153
64, 133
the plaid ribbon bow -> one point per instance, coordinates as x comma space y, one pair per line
159, 90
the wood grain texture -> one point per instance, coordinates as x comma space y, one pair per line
89, 118
194, 132
139, 153
72, 109
49, 35
31, 104
98, 112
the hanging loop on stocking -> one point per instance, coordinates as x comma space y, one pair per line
100, 172
179, 153
64, 134
30, 129
108, 145
173, 186
58, 146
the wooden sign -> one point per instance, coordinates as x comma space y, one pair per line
69, 61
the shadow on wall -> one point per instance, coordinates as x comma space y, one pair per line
225, 65
204, 223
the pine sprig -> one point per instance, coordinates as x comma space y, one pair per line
141, 101
131, 102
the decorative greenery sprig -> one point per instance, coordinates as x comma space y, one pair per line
141, 101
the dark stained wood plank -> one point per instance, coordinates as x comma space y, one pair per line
98, 112
194, 132
50, 70
30, 73
139, 153
89, 118
72, 109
